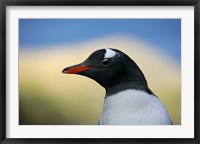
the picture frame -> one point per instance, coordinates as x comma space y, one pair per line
6, 3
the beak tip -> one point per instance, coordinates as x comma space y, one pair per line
64, 71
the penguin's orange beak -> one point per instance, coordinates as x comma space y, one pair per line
75, 69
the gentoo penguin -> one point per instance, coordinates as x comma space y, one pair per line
128, 100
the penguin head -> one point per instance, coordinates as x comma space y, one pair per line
108, 67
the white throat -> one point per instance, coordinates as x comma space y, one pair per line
134, 107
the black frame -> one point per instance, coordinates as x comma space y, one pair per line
4, 3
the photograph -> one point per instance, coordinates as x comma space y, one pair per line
100, 71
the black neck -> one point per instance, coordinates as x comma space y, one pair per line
129, 81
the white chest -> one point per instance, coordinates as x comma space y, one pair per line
133, 107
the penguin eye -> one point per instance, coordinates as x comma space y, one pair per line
105, 61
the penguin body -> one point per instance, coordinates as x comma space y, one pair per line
128, 100
134, 107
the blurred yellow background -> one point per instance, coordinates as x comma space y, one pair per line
49, 97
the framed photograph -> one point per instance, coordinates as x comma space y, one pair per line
99, 72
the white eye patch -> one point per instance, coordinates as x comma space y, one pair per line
110, 53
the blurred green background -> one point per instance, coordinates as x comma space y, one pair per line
46, 46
